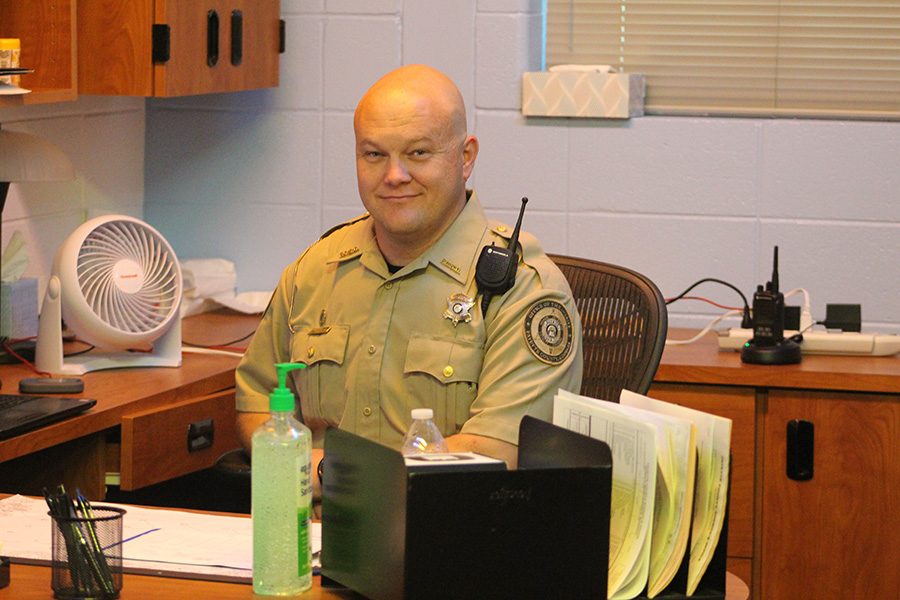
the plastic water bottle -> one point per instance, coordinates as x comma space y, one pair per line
281, 497
423, 435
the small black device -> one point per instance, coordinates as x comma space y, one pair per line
768, 346
495, 272
51, 385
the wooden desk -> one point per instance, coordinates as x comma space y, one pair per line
149, 410
833, 536
30, 582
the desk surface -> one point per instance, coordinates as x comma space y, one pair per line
703, 362
28, 582
121, 391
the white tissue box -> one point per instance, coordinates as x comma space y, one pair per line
19, 308
583, 94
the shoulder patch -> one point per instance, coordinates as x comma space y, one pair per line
342, 225
548, 331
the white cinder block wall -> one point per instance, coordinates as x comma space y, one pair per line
104, 138
256, 176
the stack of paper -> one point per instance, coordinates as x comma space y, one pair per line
670, 478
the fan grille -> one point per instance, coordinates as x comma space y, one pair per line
133, 309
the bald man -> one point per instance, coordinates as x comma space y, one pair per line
385, 310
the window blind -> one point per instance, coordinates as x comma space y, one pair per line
750, 57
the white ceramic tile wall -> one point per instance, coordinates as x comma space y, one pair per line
104, 139
256, 176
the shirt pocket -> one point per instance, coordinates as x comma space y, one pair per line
321, 383
442, 374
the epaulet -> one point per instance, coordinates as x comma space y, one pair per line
342, 225
500, 228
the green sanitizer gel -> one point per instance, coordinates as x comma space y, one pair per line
281, 497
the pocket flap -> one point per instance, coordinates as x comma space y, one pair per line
448, 360
312, 346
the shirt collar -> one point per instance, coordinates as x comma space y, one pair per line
457, 250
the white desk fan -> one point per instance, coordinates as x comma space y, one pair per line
117, 283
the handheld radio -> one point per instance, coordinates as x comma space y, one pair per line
768, 345
495, 272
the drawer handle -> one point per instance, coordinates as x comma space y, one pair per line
800, 449
200, 435
212, 38
237, 37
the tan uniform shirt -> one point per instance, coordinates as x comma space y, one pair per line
379, 344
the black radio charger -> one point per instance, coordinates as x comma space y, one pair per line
495, 272
768, 346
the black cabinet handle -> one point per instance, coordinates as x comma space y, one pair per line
800, 449
237, 37
200, 435
212, 38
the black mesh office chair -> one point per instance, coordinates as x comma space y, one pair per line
623, 322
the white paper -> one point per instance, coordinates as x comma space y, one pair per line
159, 541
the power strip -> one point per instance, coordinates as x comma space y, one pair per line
823, 342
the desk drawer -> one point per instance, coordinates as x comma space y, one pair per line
161, 444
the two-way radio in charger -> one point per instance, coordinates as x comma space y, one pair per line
768, 346
495, 272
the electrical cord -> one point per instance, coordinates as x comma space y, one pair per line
713, 302
231, 343
204, 350
705, 330
745, 315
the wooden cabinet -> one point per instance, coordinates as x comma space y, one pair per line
46, 30
835, 534
107, 47
177, 47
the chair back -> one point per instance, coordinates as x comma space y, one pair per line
623, 322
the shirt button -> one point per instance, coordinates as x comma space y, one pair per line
448, 371
367, 411
389, 285
371, 349
310, 351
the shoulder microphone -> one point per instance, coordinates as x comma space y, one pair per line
495, 272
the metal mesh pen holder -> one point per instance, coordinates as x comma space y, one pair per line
87, 554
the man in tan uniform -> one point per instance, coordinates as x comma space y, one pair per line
385, 310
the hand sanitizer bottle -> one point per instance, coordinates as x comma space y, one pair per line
423, 435
281, 497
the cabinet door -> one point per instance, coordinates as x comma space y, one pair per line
205, 52
836, 534
46, 30
246, 41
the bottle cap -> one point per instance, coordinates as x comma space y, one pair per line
422, 414
281, 399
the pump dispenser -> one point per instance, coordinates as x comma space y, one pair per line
281, 496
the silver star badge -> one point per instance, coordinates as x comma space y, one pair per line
458, 306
